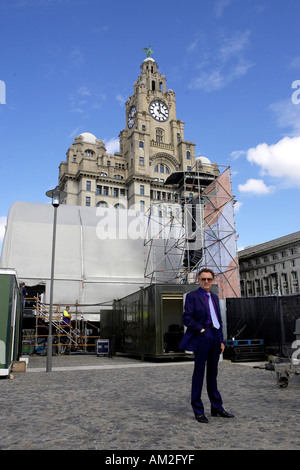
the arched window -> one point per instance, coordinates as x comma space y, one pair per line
102, 204
119, 206
162, 169
89, 153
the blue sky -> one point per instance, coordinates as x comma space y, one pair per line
68, 66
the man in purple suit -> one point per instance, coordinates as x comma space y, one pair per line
204, 336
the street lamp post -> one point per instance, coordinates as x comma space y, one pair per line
57, 195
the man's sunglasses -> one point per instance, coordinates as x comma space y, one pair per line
206, 279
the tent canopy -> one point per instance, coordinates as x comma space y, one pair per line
99, 253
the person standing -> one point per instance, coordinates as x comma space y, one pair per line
204, 336
66, 320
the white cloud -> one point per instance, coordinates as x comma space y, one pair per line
220, 6
3, 221
287, 114
235, 44
83, 100
237, 206
112, 145
192, 46
295, 62
120, 99
223, 64
237, 154
255, 186
281, 160
84, 90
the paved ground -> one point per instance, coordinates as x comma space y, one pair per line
101, 403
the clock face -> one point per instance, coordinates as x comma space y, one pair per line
130, 120
159, 111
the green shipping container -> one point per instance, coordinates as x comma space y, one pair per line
10, 320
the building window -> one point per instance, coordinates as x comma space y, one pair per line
162, 168
98, 189
74, 158
119, 206
159, 136
141, 161
178, 137
188, 155
89, 153
116, 192
143, 127
88, 185
88, 201
102, 204
142, 190
141, 144
294, 276
105, 190
108, 163
142, 206
122, 192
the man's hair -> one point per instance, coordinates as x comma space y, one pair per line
205, 270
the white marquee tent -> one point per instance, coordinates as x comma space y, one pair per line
99, 252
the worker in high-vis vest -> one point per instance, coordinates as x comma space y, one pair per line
67, 319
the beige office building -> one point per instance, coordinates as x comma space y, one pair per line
271, 268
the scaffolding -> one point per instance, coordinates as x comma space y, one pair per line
200, 232
76, 338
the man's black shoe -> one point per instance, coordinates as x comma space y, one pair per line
222, 413
201, 418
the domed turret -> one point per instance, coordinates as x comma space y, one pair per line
88, 137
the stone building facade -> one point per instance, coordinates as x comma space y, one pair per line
271, 268
152, 147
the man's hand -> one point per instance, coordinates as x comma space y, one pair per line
222, 347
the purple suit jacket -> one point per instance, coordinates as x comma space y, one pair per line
195, 317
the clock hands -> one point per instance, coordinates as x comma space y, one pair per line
159, 110
162, 109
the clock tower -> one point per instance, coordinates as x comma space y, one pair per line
153, 140
152, 148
